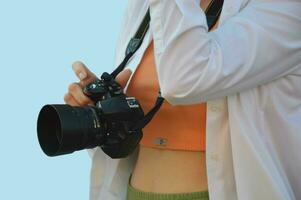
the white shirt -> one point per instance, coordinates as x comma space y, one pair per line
249, 73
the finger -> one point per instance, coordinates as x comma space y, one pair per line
68, 98
76, 91
123, 77
83, 73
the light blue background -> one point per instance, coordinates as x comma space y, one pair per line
39, 40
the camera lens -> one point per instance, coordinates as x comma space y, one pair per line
63, 129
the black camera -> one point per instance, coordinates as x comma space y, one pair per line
109, 123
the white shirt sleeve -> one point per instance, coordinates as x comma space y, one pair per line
258, 45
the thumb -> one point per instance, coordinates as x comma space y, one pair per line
83, 73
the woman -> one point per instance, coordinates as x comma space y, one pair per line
248, 73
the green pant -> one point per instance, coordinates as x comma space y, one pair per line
134, 194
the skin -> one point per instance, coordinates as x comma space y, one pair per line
156, 170
75, 95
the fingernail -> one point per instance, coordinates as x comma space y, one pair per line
82, 75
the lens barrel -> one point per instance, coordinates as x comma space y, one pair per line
63, 129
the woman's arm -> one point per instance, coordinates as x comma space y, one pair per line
258, 45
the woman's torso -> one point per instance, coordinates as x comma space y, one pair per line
169, 171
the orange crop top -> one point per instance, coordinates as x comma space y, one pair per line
173, 127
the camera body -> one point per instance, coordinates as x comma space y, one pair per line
109, 123
118, 113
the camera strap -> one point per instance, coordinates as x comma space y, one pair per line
212, 14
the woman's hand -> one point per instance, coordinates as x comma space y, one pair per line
75, 95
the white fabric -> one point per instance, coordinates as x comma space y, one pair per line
249, 73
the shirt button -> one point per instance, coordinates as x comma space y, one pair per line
215, 108
214, 157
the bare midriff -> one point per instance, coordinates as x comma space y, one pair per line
173, 127
168, 170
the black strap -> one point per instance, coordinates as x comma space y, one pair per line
148, 117
212, 14
134, 43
